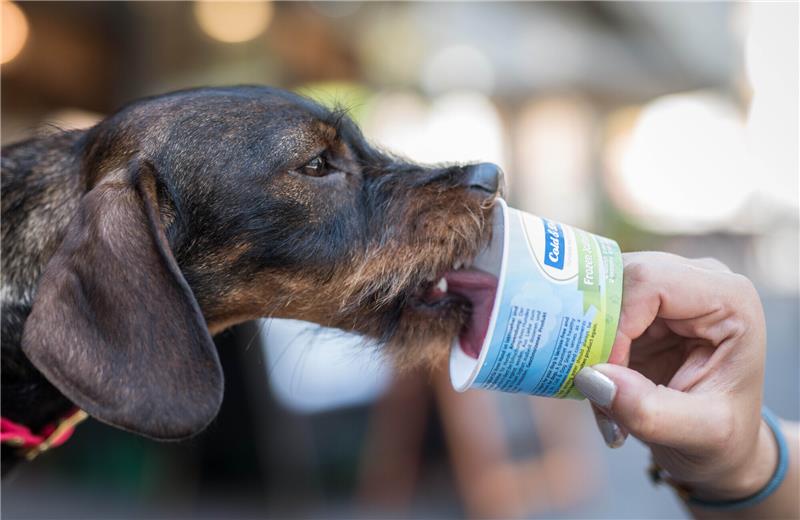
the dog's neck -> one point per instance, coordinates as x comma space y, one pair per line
27, 397
32, 227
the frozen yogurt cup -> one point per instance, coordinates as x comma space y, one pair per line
549, 306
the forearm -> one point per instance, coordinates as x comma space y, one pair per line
784, 503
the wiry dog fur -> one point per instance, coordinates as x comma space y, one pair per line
126, 246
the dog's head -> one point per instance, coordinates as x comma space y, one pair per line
209, 207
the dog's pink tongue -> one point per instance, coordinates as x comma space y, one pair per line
479, 287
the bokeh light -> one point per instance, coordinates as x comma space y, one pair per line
352, 98
233, 22
553, 157
460, 126
685, 168
15, 30
72, 119
771, 49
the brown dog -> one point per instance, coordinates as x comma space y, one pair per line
126, 246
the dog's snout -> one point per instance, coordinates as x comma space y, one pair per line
483, 178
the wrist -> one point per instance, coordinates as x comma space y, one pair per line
751, 476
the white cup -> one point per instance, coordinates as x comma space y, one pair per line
556, 307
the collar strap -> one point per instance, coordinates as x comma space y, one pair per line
33, 444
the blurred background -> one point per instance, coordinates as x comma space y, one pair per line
670, 126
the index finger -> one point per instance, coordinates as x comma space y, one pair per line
694, 298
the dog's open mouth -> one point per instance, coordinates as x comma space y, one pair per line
471, 287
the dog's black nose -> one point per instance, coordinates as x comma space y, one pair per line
483, 177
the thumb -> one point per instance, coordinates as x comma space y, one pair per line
651, 413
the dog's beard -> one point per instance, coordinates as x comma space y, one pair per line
423, 340
386, 296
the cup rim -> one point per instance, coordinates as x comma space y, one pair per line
464, 369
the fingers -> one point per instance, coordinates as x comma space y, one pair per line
694, 298
716, 321
654, 413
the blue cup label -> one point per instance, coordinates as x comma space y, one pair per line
556, 309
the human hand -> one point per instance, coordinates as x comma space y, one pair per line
686, 374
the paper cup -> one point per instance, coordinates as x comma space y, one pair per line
556, 307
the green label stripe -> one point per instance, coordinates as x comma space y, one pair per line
600, 281
589, 270
612, 261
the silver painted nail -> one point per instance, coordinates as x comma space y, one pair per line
611, 431
596, 386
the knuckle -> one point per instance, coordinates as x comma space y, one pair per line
745, 286
746, 294
637, 272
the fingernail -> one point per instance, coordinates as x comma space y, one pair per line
596, 387
611, 431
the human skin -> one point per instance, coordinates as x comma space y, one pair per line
686, 378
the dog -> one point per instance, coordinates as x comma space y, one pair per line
127, 246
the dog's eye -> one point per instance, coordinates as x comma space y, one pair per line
315, 167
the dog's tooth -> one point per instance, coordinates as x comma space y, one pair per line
442, 285
458, 264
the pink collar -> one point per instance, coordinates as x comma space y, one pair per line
51, 436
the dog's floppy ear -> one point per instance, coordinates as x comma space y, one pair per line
114, 325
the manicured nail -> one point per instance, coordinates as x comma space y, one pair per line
596, 387
611, 431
